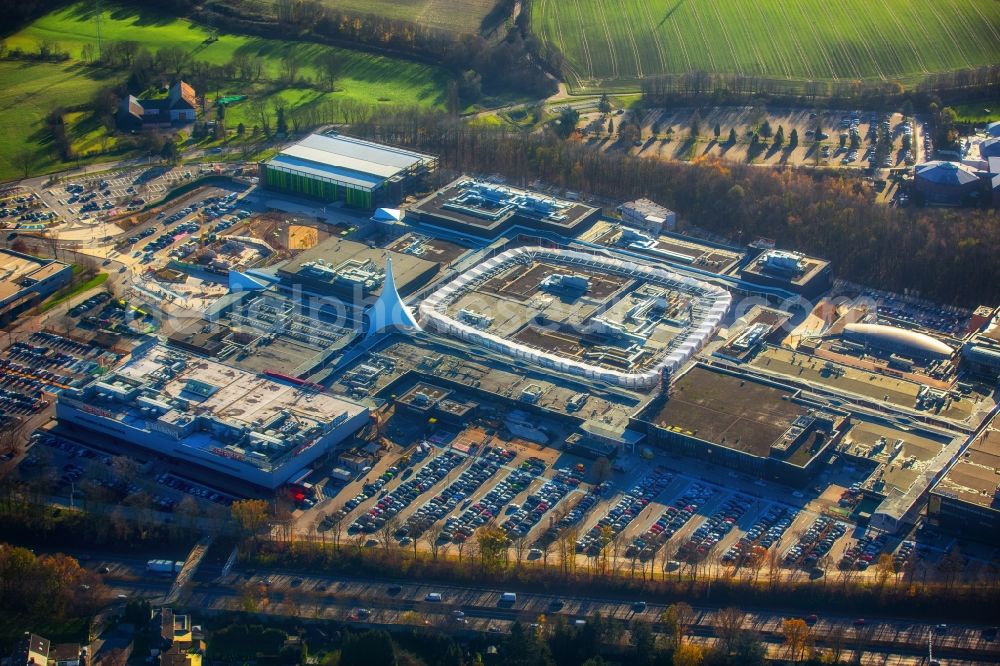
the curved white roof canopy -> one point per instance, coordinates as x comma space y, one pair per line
389, 311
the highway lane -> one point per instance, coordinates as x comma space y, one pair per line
289, 592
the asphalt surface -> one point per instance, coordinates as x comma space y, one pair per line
383, 602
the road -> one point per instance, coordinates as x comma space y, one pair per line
288, 592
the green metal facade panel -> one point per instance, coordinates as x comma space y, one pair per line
317, 189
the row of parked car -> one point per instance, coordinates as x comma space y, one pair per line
195, 489
475, 475
625, 510
864, 552
718, 525
89, 304
392, 503
766, 531
815, 543
489, 506
536, 505
674, 517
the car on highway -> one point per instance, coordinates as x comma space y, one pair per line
434, 597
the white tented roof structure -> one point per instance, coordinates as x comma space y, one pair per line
433, 311
389, 311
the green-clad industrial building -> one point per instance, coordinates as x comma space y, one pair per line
360, 173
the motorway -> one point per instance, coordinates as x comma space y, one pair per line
288, 592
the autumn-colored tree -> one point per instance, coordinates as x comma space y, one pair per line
688, 655
798, 638
493, 542
251, 517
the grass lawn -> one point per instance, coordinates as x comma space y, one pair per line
27, 94
984, 112
614, 45
28, 90
451, 15
59, 298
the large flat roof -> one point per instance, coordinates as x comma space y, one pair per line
973, 478
739, 413
446, 207
346, 159
409, 271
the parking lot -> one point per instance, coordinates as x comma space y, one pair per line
21, 208
34, 369
90, 471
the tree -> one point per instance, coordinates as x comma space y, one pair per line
717, 131
25, 160
797, 637
604, 105
330, 66
602, 469
675, 620
611, 126
290, 66
765, 129
169, 151
729, 624
732, 136
568, 118
779, 137
372, 648
695, 124
470, 86
793, 139
280, 124
644, 643
884, 568
493, 542
688, 655
251, 516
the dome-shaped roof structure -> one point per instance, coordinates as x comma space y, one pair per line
946, 173
892, 336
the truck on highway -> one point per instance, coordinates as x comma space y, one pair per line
163, 566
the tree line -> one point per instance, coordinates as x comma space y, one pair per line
513, 64
710, 88
946, 254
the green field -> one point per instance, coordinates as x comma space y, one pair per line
616, 44
451, 15
29, 90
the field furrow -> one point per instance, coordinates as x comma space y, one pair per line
584, 41
724, 29
775, 22
948, 31
679, 41
866, 58
618, 43
818, 45
967, 24
992, 24
750, 39
704, 38
651, 35
612, 53
904, 35
630, 35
